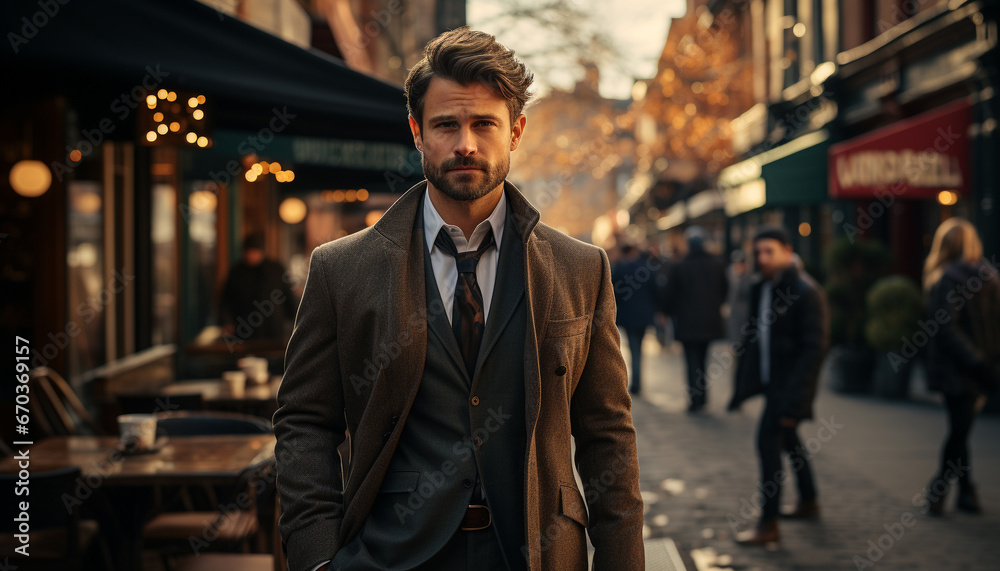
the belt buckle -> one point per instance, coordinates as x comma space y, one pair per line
489, 521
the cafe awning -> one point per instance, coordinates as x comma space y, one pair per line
248, 72
794, 174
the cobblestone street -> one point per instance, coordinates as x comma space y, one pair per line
872, 459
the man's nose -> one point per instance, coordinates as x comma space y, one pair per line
466, 143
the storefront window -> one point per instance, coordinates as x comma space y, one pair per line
163, 228
89, 298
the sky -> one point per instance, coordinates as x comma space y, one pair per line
638, 28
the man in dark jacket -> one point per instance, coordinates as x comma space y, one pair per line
256, 302
635, 295
696, 290
783, 345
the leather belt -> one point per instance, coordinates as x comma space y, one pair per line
476, 517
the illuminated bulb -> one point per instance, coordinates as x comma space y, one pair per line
289, 176
198, 114
256, 169
191, 138
157, 116
193, 102
162, 94
264, 165
292, 210
30, 178
171, 96
201, 99
75, 155
151, 136
274, 167
362, 194
202, 141
251, 176
161, 129
175, 126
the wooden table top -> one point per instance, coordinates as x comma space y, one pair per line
215, 390
183, 460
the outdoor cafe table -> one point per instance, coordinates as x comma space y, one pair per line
257, 399
184, 460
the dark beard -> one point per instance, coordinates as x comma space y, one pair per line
464, 187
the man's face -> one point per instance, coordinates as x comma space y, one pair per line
772, 257
465, 139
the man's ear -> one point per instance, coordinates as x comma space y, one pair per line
415, 130
517, 130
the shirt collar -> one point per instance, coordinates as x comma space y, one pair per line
433, 223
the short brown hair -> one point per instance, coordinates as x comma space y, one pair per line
464, 55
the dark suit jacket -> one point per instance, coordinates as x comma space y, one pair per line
799, 340
354, 363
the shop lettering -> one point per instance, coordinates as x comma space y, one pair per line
929, 169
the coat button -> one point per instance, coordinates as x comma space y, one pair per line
475, 401
395, 420
467, 482
478, 441
561, 370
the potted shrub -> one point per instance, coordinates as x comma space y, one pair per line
894, 306
851, 269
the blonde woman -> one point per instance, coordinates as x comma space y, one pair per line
963, 298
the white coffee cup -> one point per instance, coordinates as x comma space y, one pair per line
138, 431
255, 368
236, 383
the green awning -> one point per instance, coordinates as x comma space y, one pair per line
799, 178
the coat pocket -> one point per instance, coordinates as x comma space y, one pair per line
571, 504
571, 327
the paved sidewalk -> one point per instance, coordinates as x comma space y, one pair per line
872, 459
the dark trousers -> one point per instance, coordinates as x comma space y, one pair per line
695, 358
772, 440
470, 550
955, 455
635, 335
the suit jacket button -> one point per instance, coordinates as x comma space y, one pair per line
467, 482
561, 370
395, 420
475, 401
478, 441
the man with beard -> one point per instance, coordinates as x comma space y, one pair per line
443, 359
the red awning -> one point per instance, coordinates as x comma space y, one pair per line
915, 158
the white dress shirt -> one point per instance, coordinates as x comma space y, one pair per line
765, 319
445, 267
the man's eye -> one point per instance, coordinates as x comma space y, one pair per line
484, 123
446, 124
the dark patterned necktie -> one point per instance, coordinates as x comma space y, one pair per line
468, 319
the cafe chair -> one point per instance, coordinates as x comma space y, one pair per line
236, 526
56, 409
151, 403
59, 538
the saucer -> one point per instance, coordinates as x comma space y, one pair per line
129, 451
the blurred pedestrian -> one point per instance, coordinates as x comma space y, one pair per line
740, 280
696, 290
780, 358
256, 301
963, 358
634, 278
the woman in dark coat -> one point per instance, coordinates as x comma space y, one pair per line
963, 356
